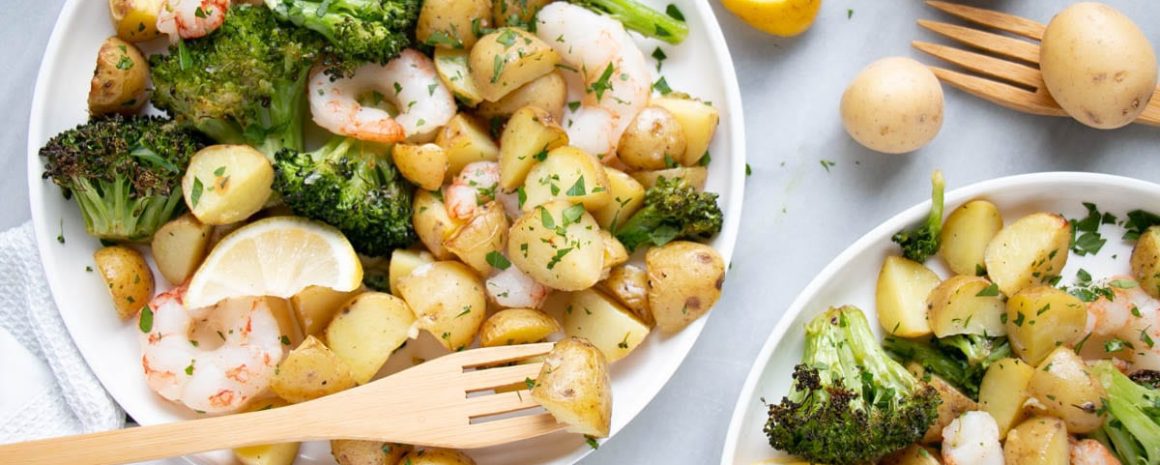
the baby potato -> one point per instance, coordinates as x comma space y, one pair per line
432, 456
627, 197
135, 20
548, 92
452, 23
516, 12
698, 121
912, 455
127, 276
894, 105
1029, 251
684, 280
516, 326
529, 135
966, 305
954, 404
483, 235
614, 252
653, 140
353, 452
448, 301
1146, 261
629, 285
367, 330
965, 236
311, 371
179, 246
574, 387
227, 183
508, 58
1063, 384
559, 245
424, 165
267, 454
119, 82
1097, 65
1038, 441
465, 140
432, 223
403, 262
693, 175
451, 66
600, 320
567, 173
900, 297
1003, 392
1042, 318
315, 306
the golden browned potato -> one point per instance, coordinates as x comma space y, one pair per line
894, 105
465, 140
966, 305
574, 387
900, 298
1041, 318
694, 175
516, 326
508, 58
267, 454
451, 66
127, 276
432, 456
1146, 261
547, 92
629, 285
684, 280
135, 20
119, 82
367, 330
227, 183
315, 306
432, 223
1037, 441
483, 235
605, 323
614, 252
424, 165
448, 301
403, 262
528, 137
311, 371
452, 24
699, 122
965, 236
179, 246
1030, 251
567, 173
1068, 391
516, 12
912, 455
347, 452
654, 140
1003, 392
627, 197
954, 404
558, 244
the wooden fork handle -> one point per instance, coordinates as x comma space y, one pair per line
1151, 114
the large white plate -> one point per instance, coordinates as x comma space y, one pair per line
701, 66
850, 279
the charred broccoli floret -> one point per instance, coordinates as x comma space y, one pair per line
1132, 428
124, 172
351, 185
638, 17
358, 30
850, 402
960, 360
920, 243
244, 83
673, 209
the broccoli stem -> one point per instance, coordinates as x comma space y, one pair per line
111, 211
920, 243
950, 370
937, 186
1133, 434
640, 18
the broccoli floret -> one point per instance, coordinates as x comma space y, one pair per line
1149, 378
351, 185
1132, 427
920, 243
359, 31
124, 172
640, 18
244, 83
960, 360
850, 403
673, 209
979, 351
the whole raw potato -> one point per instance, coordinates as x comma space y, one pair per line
895, 105
1098, 65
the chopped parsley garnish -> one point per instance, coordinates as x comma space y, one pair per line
195, 193
1139, 221
827, 164
659, 56
497, 260
674, 12
989, 291
603, 84
146, 320
1086, 238
662, 86
577, 188
437, 38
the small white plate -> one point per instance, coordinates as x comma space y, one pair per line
700, 66
850, 279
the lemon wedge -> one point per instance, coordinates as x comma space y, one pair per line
277, 256
785, 18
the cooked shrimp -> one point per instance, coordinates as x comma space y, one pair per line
1128, 323
616, 79
511, 288
1091, 452
408, 82
472, 187
212, 360
190, 19
972, 439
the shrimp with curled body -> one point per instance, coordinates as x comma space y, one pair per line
190, 19
474, 186
408, 82
1130, 316
212, 360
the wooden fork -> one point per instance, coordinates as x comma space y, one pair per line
427, 405
1018, 86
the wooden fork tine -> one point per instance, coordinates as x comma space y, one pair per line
999, 93
496, 404
994, 43
495, 377
510, 429
1001, 21
988, 65
497, 355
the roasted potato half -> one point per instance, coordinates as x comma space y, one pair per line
627, 197
1004, 391
179, 246
605, 323
574, 387
1068, 391
311, 371
567, 173
403, 262
367, 330
903, 286
448, 300
1029, 251
516, 326
548, 92
1042, 318
654, 140
135, 20
484, 234
698, 121
433, 224
451, 66
347, 452
452, 24
966, 305
424, 165
508, 58
1146, 261
120, 80
684, 281
629, 285
127, 276
227, 183
315, 306
1038, 441
559, 245
528, 137
465, 140
965, 236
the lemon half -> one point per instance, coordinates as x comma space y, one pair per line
784, 18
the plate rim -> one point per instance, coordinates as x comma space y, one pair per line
896, 222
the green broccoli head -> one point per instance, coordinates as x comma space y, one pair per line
124, 172
359, 31
672, 209
850, 403
351, 185
960, 360
244, 83
1132, 428
920, 243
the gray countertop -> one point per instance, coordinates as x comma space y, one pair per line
798, 214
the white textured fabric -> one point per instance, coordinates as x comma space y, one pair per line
50, 390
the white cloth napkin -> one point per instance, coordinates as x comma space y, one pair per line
49, 390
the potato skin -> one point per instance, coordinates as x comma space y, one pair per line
1037, 441
484, 233
567, 173
128, 277
432, 223
448, 23
900, 296
135, 20
425, 165
653, 140
568, 262
894, 105
696, 176
1146, 261
227, 183
965, 236
1041, 318
311, 371
960, 305
508, 58
179, 246
1098, 65
953, 405
315, 306
465, 140
698, 121
119, 82
530, 131
629, 285
548, 92
1063, 384
516, 326
349, 452
627, 197
684, 280
574, 387
448, 301
367, 329
432, 456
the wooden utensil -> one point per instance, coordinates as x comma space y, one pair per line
427, 405
1017, 83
